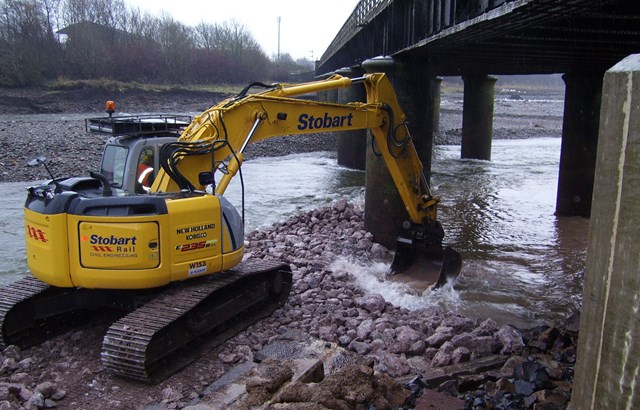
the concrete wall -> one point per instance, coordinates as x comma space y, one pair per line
607, 374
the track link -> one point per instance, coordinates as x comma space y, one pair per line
12, 298
172, 330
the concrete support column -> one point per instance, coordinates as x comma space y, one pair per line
477, 116
331, 96
328, 95
580, 124
325, 96
606, 374
352, 145
384, 210
437, 87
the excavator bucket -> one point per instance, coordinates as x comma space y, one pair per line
425, 265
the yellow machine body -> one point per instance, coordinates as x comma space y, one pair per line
80, 234
88, 235
133, 251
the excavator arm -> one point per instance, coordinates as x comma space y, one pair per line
216, 139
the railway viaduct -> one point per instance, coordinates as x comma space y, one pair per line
592, 43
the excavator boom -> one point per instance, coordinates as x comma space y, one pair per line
230, 126
235, 123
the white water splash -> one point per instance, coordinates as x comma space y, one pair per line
371, 277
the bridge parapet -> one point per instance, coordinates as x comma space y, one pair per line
423, 18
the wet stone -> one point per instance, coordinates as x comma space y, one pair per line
524, 388
510, 339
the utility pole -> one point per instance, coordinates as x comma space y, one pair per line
279, 20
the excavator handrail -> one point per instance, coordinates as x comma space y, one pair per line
137, 125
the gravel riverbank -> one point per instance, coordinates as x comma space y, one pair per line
324, 248
34, 123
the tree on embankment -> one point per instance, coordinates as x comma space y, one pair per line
41, 40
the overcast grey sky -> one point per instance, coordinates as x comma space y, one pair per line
306, 27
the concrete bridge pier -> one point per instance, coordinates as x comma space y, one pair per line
414, 86
326, 96
437, 89
477, 116
607, 371
583, 93
352, 145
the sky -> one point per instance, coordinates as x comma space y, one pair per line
306, 27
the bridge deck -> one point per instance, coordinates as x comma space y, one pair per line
490, 36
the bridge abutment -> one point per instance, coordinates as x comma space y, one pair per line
606, 374
583, 93
414, 85
477, 116
352, 145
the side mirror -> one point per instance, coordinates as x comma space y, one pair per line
37, 161
41, 160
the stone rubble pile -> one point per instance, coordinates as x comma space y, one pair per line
22, 389
327, 303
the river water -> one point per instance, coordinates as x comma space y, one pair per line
522, 264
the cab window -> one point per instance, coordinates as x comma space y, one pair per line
114, 161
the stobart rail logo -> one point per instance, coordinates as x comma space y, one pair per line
111, 243
306, 121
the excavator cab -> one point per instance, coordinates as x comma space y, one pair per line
130, 160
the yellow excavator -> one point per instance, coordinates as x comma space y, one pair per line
171, 254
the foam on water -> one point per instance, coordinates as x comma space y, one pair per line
372, 278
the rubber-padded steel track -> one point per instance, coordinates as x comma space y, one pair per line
172, 330
32, 311
12, 298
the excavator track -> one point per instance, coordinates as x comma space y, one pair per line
32, 311
166, 328
173, 329
12, 298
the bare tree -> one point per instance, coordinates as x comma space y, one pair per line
238, 55
103, 12
27, 47
40, 39
177, 44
